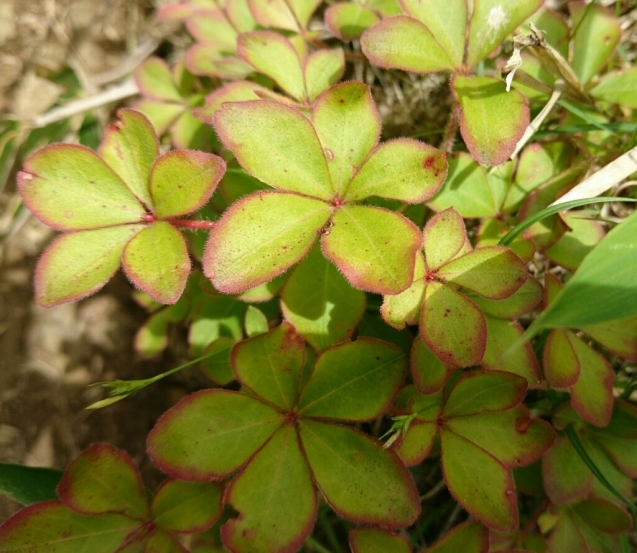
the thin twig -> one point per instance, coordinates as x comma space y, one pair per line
121, 91
535, 125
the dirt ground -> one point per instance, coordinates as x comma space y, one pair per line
49, 357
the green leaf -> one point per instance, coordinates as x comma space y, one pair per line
583, 235
501, 335
104, 479
155, 81
429, 373
160, 114
618, 88
597, 33
519, 303
444, 237
215, 317
376, 540
404, 308
274, 13
466, 189
446, 21
511, 436
491, 22
276, 144
404, 43
348, 21
560, 362
592, 394
51, 527
255, 322
261, 236
484, 391
320, 303
348, 126
604, 515
468, 537
190, 507
322, 69
270, 365
359, 479
354, 381
78, 264
69, 187
28, 485
217, 365
414, 446
564, 474
238, 91
183, 181
479, 482
275, 498
273, 55
210, 434
401, 169
452, 326
603, 287
374, 248
130, 147
494, 272
156, 260
492, 120
619, 336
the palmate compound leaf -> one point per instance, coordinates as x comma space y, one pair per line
78, 264
320, 303
104, 479
69, 187
275, 498
51, 527
492, 120
211, 434
358, 478
261, 236
374, 248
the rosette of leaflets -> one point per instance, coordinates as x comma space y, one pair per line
323, 168
122, 205
280, 437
